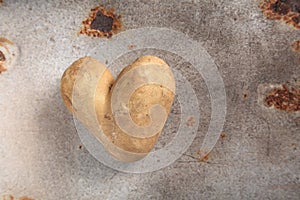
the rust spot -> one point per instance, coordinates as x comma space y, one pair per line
284, 98
131, 47
101, 23
223, 135
4, 40
203, 159
11, 197
25, 198
2, 57
190, 121
296, 45
286, 10
245, 94
2, 69
7, 197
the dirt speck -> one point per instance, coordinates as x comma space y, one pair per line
101, 23
285, 10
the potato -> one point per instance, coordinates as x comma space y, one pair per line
126, 115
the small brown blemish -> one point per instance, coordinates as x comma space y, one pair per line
203, 159
293, 145
285, 10
80, 146
110, 87
223, 135
131, 47
245, 94
4, 40
101, 23
107, 116
25, 198
190, 121
2, 57
2, 69
11, 197
7, 197
296, 46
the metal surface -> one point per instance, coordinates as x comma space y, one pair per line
41, 155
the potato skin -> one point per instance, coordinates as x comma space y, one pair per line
122, 146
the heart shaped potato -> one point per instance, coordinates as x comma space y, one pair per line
126, 115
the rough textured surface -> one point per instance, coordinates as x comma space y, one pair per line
40, 152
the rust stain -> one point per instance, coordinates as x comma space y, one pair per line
7, 197
190, 121
101, 23
296, 47
131, 47
223, 135
203, 159
11, 197
4, 40
245, 94
285, 10
2, 60
284, 98
25, 198
2, 69
2, 56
